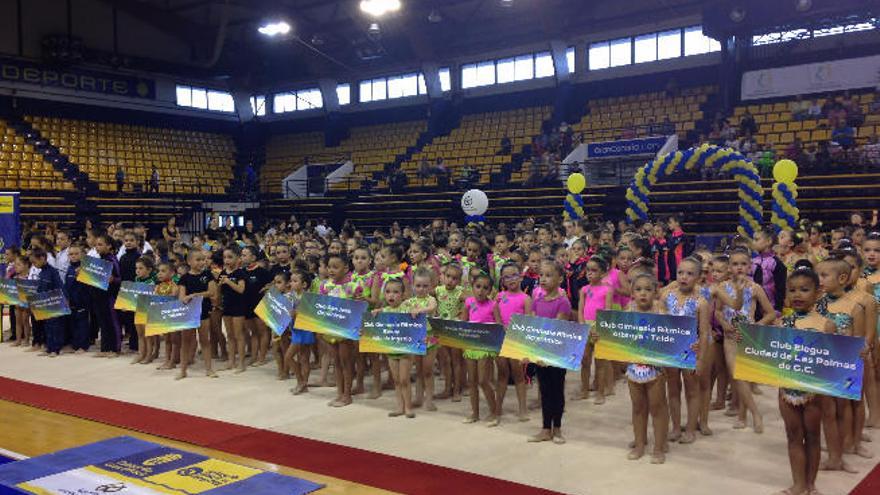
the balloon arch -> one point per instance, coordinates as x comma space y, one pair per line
725, 160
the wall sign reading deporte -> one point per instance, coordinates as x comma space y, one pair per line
25, 72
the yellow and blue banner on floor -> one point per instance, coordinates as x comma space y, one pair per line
129, 466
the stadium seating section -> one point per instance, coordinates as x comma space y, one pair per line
777, 128
477, 142
609, 117
22, 168
188, 162
369, 148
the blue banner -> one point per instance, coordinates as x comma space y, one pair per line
10, 233
626, 147
25, 72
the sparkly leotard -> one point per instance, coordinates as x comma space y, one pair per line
795, 397
479, 312
422, 303
843, 321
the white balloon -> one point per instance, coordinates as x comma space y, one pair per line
474, 202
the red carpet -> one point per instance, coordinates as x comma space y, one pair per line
870, 485
352, 464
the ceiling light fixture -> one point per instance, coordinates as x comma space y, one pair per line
274, 28
803, 5
374, 29
317, 39
434, 17
506, 3
378, 8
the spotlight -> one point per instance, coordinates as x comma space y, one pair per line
505, 3
803, 5
274, 28
434, 17
378, 8
374, 30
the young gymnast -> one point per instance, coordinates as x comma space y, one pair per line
753, 298
801, 411
198, 282
399, 364
551, 302
847, 314
594, 297
510, 301
647, 384
339, 284
480, 308
281, 343
871, 285
683, 299
165, 286
423, 303
232, 285
363, 277
301, 342
257, 281
23, 329
103, 301
145, 273
451, 295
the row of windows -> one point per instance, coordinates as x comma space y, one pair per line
400, 86
204, 99
651, 47
506, 70
785, 36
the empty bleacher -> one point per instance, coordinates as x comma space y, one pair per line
608, 118
23, 168
370, 148
188, 162
477, 142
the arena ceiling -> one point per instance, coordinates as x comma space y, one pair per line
330, 38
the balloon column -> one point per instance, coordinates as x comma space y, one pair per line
474, 203
784, 215
725, 160
573, 207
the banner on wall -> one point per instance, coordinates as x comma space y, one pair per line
10, 233
835, 75
625, 147
26, 72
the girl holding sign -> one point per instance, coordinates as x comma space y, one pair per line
148, 347
510, 301
551, 303
102, 302
479, 308
197, 282
297, 355
165, 286
801, 411
684, 299
647, 384
364, 277
450, 301
340, 285
22, 317
400, 365
422, 302
594, 297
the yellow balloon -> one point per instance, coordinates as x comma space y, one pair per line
576, 183
785, 171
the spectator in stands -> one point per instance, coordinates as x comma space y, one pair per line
154, 180
728, 133
747, 124
652, 128
871, 152
397, 180
534, 172
170, 231
795, 150
667, 128
810, 155
799, 108
424, 168
506, 145
552, 175
814, 111
747, 143
843, 135
442, 172
715, 135
120, 179
766, 162
835, 112
854, 115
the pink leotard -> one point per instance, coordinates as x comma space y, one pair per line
511, 303
594, 300
613, 280
480, 312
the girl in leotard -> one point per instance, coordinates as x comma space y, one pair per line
753, 296
422, 302
297, 355
647, 384
594, 297
341, 350
450, 300
479, 308
400, 364
871, 278
683, 299
847, 314
802, 411
363, 277
510, 301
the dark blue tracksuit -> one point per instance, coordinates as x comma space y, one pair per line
49, 280
78, 321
